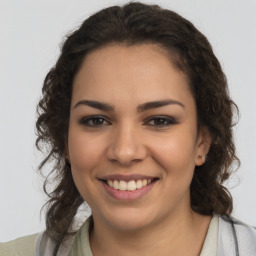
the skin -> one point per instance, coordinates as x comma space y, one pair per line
125, 141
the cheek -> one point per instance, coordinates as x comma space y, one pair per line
84, 156
84, 153
176, 153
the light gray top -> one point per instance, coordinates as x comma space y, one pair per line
226, 236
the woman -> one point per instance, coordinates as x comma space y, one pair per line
138, 119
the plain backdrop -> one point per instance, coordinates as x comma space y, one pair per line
30, 35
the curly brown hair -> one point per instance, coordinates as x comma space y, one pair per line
132, 24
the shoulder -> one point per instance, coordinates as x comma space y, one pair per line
238, 227
23, 246
45, 245
236, 237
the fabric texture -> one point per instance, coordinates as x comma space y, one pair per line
44, 245
235, 238
211, 239
81, 244
23, 246
226, 236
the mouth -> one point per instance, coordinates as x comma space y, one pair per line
131, 185
125, 188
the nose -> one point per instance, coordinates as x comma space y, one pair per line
126, 146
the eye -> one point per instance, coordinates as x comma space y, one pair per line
161, 121
94, 121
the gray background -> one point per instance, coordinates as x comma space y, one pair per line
31, 32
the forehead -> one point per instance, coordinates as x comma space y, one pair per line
145, 71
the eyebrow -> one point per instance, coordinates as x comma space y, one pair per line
141, 108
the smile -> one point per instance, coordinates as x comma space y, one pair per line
130, 185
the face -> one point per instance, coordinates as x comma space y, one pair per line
133, 140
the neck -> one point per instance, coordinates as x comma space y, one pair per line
176, 235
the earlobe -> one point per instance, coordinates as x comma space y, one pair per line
203, 146
200, 160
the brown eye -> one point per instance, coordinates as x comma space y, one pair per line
94, 121
161, 121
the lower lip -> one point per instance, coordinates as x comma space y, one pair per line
128, 195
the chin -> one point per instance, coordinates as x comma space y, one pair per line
129, 219
130, 224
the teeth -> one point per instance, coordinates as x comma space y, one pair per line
115, 184
139, 184
123, 185
130, 185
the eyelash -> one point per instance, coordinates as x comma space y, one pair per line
168, 121
85, 121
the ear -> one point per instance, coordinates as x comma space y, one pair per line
203, 145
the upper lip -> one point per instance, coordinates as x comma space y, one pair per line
126, 177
